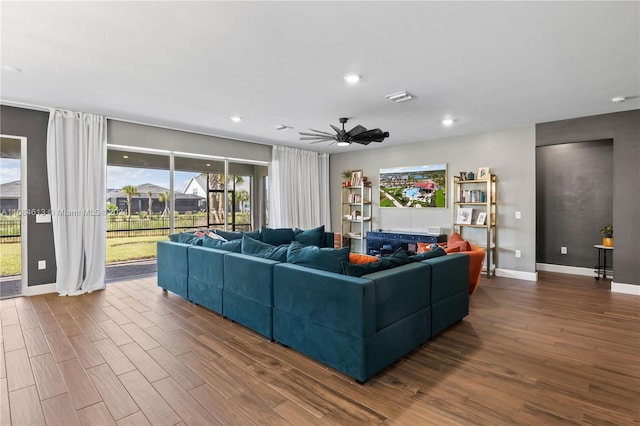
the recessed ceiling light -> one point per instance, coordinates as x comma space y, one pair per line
618, 99
447, 122
236, 118
125, 156
352, 78
12, 69
208, 164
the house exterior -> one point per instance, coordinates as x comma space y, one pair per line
10, 197
183, 202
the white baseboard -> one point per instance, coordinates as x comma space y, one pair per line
625, 288
564, 269
520, 275
36, 290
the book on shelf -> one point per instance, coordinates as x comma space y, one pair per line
473, 196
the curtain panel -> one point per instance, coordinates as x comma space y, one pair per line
76, 171
299, 189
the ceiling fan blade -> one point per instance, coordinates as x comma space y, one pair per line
362, 142
335, 128
313, 134
320, 131
313, 138
373, 135
325, 140
357, 130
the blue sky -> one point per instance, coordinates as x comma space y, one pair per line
9, 170
117, 177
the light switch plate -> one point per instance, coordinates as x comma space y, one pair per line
42, 264
518, 215
43, 218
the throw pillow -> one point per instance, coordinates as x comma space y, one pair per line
266, 251
326, 259
464, 245
229, 235
186, 238
454, 238
398, 258
357, 258
455, 249
215, 236
276, 237
310, 237
233, 245
436, 252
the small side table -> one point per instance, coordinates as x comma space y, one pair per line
601, 267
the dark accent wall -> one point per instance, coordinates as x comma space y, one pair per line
624, 129
33, 125
574, 200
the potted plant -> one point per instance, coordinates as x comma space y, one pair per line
607, 236
346, 174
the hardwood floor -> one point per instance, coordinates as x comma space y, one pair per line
562, 350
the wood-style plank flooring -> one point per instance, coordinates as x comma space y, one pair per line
562, 350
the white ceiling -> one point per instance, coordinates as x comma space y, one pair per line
191, 65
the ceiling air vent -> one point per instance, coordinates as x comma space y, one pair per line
399, 96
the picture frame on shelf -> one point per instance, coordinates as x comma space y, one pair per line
462, 175
464, 215
482, 217
356, 178
483, 173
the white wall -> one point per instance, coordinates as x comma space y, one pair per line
509, 153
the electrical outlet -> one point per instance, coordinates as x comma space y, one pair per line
518, 215
518, 253
42, 264
563, 250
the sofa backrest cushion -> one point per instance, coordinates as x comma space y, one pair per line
232, 245
233, 235
276, 237
398, 258
186, 238
266, 251
436, 252
326, 259
310, 237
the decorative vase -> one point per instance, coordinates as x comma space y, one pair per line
607, 241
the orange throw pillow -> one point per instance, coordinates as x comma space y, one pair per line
424, 247
455, 249
358, 258
464, 245
454, 238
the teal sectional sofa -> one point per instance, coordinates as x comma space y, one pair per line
357, 325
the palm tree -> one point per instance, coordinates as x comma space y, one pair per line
164, 197
150, 204
241, 197
130, 191
217, 181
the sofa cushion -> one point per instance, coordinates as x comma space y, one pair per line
436, 252
233, 245
266, 251
357, 258
186, 238
310, 237
276, 237
326, 259
398, 258
234, 235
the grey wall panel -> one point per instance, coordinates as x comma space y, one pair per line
509, 153
138, 135
624, 129
33, 125
574, 186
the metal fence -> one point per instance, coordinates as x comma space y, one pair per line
10, 230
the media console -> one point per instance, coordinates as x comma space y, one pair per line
384, 243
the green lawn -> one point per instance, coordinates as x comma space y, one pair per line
118, 250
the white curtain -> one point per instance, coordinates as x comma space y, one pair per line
299, 189
76, 168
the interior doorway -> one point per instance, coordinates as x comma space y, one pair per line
13, 216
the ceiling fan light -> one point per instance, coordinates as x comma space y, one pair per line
352, 78
343, 143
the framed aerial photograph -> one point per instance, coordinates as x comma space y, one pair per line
414, 186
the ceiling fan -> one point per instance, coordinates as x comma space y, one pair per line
358, 134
